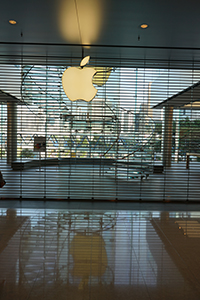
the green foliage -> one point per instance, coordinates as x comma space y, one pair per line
187, 124
189, 136
189, 140
27, 153
157, 146
94, 141
83, 154
85, 142
69, 143
158, 128
2, 152
157, 137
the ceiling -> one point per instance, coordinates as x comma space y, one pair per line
110, 27
188, 98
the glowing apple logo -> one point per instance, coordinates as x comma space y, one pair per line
77, 82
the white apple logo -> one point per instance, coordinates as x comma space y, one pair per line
77, 82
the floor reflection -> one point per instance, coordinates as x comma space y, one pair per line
59, 254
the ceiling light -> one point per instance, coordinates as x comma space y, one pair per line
143, 26
13, 22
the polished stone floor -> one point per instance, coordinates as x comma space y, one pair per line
94, 182
58, 250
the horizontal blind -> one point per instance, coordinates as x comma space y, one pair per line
118, 146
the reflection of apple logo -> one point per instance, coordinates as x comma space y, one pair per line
89, 255
77, 82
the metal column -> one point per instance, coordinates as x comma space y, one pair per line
167, 137
11, 132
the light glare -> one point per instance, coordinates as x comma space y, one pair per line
81, 22
143, 26
12, 22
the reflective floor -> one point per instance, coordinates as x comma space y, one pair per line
49, 253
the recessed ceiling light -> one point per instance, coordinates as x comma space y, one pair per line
13, 22
143, 26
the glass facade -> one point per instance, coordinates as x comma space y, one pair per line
108, 126
119, 130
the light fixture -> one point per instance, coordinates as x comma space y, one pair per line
143, 26
12, 22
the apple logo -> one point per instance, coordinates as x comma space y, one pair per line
77, 82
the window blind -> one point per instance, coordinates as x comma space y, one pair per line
117, 146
